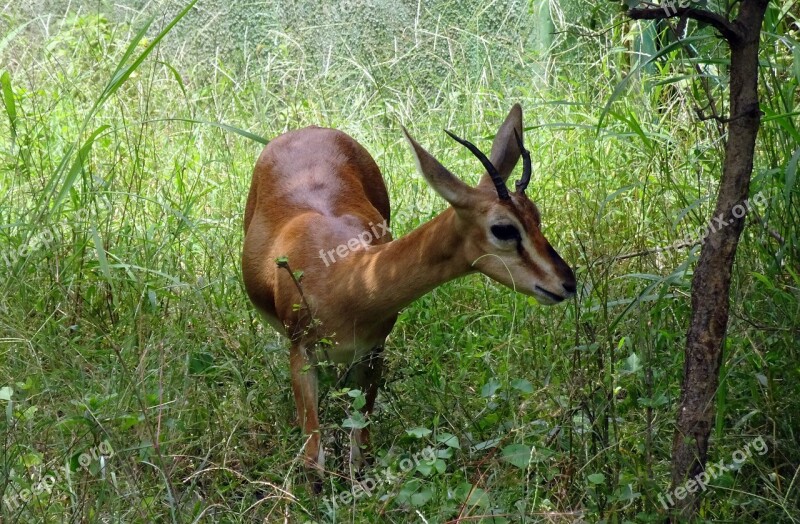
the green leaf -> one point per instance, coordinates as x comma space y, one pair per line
626, 494
6, 393
101, 256
796, 62
659, 400
414, 493
764, 280
129, 420
359, 400
153, 299
75, 422
448, 440
486, 444
518, 455
420, 498
425, 468
355, 421
791, 176
472, 496
29, 413
200, 363
490, 388
418, 432
522, 385
10, 104
597, 478
632, 364
31, 459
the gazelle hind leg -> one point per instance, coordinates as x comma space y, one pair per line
366, 375
304, 386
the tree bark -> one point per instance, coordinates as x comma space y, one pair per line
712, 278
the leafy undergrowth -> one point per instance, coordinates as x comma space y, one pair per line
139, 386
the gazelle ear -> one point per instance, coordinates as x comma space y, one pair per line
449, 186
505, 151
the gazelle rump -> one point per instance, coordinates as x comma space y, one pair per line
315, 190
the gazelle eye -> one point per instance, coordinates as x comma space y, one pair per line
505, 232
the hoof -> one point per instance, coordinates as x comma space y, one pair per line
316, 486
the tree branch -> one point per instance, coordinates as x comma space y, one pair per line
670, 9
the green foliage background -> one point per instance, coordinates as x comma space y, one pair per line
123, 318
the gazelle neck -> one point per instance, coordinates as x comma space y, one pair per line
396, 273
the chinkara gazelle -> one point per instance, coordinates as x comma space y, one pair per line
316, 191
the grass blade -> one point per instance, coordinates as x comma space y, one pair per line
247, 134
122, 73
8, 102
791, 176
620, 88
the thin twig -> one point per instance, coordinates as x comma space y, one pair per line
647, 252
727, 29
283, 262
751, 112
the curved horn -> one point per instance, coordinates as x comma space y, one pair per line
522, 183
502, 192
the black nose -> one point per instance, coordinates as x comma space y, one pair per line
569, 286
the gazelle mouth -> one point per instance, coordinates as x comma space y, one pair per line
548, 294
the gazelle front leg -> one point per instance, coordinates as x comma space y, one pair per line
366, 374
304, 385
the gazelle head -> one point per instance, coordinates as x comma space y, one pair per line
501, 229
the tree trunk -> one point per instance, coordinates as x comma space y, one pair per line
712, 278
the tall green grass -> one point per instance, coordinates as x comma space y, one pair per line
125, 163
